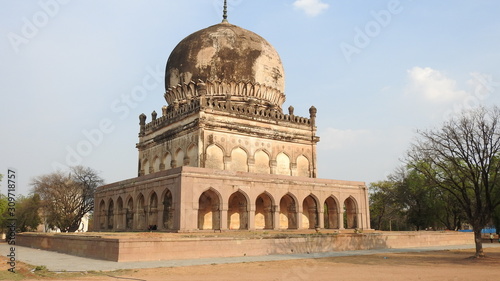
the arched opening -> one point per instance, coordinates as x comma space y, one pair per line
264, 212
145, 167
120, 213
167, 162
168, 211
261, 165
103, 215
237, 214
129, 214
111, 214
350, 214
310, 213
193, 156
214, 158
141, 212
209, 210
179, 158
239, 160
156, 165
153, 212
303, 167
288, 212
331, 214
283, 164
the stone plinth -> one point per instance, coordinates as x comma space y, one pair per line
133, 247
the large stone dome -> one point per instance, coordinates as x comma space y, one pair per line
230, 62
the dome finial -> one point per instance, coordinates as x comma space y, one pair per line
224, 16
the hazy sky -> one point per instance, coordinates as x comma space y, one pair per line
75, 75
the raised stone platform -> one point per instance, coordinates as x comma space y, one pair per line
126, 247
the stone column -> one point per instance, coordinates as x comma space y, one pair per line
251, 216
341, 220
321, 218
276, 217
223, 218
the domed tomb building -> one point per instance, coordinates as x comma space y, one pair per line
223, 155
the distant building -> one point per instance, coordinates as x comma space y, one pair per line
223, 155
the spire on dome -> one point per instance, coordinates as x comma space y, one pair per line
224, 16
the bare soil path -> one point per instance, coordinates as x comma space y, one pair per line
436, 265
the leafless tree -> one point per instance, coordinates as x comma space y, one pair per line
67, 197
462, 158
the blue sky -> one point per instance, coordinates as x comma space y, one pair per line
376, 70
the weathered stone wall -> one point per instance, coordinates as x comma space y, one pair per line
147, 249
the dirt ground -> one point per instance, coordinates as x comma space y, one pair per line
439, 265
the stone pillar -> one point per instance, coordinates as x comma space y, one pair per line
160, 208
273, 164
251, 216
293, 169
276, 217
341, 220
223, 217
321, 218
251, 164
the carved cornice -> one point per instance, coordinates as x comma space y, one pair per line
236, 91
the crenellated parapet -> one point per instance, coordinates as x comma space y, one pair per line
238, 91
177, 111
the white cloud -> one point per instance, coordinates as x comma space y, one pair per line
433, 86
312, 8
336, 139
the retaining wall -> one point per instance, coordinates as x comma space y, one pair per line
148, 249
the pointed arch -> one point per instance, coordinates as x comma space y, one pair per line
179, 158
129, 213
214, 157
111, 213
153, 211
102, 215
156, 164
288, 212
237, 214
168, 210
209, 206
120, 213
192, 154
310, 212
264, 211
303, 169
145, 167
350, 213
283, 164
239, 160
262, 162
331, 215
167, 161
141, 212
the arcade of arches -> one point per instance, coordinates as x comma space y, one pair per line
226, 202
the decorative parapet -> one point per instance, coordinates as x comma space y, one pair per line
240, 91
250, 110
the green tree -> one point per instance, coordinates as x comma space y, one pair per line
28, 213
386, 211
461, 159
3, 212
66, 198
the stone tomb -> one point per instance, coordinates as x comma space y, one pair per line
223, 155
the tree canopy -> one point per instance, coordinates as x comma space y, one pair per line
462, 159
66, 198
